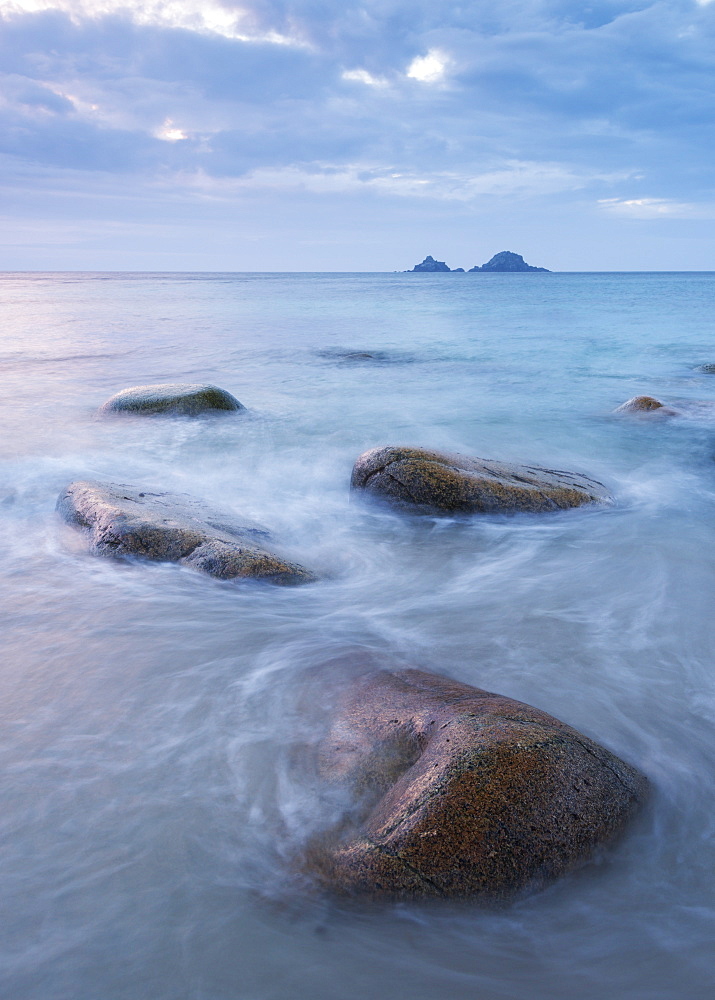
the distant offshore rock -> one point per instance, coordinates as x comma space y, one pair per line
462, 792
508, 262
429, 266
172, 398
438, 482
168, 527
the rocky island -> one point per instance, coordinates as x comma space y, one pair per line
429, 265
505, 261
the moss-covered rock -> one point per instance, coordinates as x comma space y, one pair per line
444, 483
125, 521
172, 398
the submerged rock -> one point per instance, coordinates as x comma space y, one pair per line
639, 404
430, 265
444, 483
507, 261
172, 398
170, 527
464, 792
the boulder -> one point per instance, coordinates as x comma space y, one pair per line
438, 482
429, 265
173, 398
169, 527
507, 261
648, 405
639, 404
463, 792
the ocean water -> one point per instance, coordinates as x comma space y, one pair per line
150, 810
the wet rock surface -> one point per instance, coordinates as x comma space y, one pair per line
169, 527
648, 406
444, 483
464, 792
641, 404
172, 398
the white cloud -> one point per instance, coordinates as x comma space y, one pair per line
513, 179
170, 133
208, 17
431, 68
658, 208
362, 76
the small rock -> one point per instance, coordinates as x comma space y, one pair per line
429, 266
444, 483
169, 527
708, 369
639, 404
463, 792
174, 398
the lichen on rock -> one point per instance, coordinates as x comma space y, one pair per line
445, 483
125, 521
465, 792
172, 398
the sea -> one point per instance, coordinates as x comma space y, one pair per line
151, 809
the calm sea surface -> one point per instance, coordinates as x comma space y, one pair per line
150, 715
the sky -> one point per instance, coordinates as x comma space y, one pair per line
356, 135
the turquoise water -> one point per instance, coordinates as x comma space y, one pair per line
150, 715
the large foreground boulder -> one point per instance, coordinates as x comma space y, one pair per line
173, 398
169, 527
464, 792
445, 483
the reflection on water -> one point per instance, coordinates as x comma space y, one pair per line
152, 717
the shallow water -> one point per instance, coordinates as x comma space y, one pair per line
151, 715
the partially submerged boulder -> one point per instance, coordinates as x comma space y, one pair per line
173, 398
170, 527
464, 792
640, 404
444, 483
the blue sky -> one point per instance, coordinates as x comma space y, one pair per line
356, 135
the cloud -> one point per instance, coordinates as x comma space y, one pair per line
657, 208
430, 68
392, 101
362, 76
203, 16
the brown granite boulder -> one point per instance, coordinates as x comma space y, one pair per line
443, 483
170, 527
464, 792
642, 404
647, 406
173, 399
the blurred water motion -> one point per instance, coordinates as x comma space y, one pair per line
151, 805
